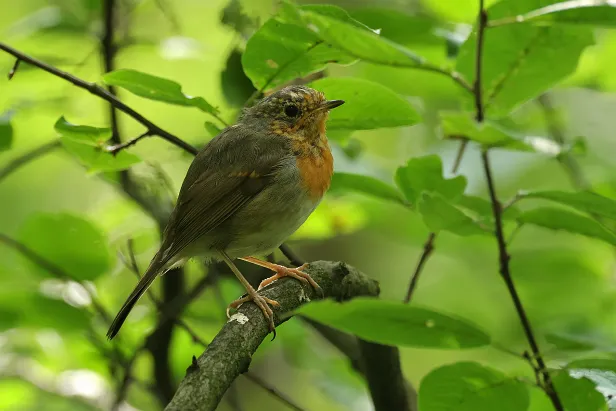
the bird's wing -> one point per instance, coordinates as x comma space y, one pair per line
229, 172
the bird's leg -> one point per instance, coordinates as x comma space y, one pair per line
259, 300
282, 271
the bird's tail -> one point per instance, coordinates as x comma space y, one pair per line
142, 286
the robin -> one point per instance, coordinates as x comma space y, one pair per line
248, 190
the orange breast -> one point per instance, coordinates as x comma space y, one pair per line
316, 169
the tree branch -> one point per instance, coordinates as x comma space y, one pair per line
497, 210
230, 353
104, 94
504, 258
388, 388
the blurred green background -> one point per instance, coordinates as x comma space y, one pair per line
47, 358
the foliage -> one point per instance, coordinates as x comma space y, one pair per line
468, 133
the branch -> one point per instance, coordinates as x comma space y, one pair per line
388, 388
25, 158
505, 272
230, 353
99, 91
497, 210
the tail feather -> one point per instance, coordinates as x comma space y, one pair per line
140, 289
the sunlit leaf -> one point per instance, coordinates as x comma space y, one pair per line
155, 88
359, 42
560, 219
488, 134
365, 185
585, 201
425, 174
600, 371
438, 214
588, 12
578, 394
6, 132
89, 144
70, 242
469, 386
396, 323
367, 105
520, 61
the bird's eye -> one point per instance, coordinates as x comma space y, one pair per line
291, 110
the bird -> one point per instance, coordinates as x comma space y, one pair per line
246, 191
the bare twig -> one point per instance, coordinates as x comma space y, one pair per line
14, 69
497, 211
27, 157
102, 93
116, 148
504, 258
425, 255
482, 20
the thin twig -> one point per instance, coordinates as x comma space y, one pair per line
258, 381
428, 247
27, 157
504, 258
104, 94
425, 255
14, 69
497, 211
116, 148
482, 20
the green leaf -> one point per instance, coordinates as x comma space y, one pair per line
600, 371
366, 185
560, 219
578, 394
567, 342
584, 201
469, 386
520, 61
89, 145
6, 132
440, 215
396, 323
487, 133
279, 52
155, 88
359, 42
367, 105
69, 242
483, 208
425, 174
595, 12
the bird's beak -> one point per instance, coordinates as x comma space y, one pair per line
330, 104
